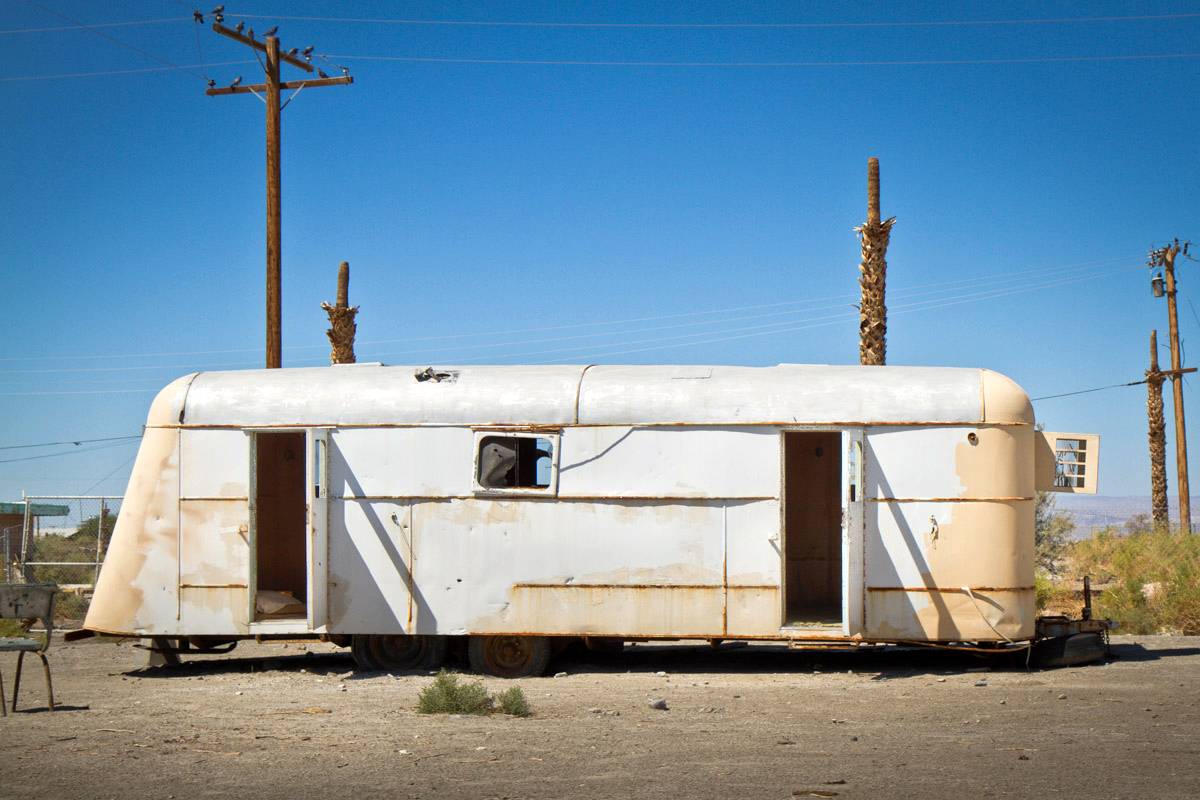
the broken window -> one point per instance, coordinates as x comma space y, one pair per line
514, 462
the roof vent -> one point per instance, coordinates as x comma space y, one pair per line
437, 376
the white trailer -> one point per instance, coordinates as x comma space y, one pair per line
393, 507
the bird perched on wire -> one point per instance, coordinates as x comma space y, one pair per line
293, 51
211, 83
198, 17
250, 33
307, 53
236, 81
239, 27
218, 13
321, 73
271, 31
345, 70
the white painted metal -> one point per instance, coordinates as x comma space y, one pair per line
852, 531
675, 461
317, 541
664, 520
600, 395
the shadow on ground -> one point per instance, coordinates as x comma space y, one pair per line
731, 658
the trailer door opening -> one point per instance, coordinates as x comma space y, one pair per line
812, 476
280, 557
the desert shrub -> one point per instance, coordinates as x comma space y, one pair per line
1152, 577
1051, 534
1055, 597
447, 695
512, 701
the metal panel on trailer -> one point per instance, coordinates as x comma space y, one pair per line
400, 462
971, 462
499, 565
370, 572
214, 463
669, 462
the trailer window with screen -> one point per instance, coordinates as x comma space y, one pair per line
520, 463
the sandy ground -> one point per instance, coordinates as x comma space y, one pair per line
272, 721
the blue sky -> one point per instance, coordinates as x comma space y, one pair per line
634, 213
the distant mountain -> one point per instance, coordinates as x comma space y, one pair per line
1093, 512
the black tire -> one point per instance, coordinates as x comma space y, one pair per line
360, 648
509, 656
401, 653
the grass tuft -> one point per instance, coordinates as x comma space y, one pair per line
512, 702
447, 695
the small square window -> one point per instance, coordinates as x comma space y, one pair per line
515, 462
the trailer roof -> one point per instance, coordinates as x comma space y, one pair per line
372, 394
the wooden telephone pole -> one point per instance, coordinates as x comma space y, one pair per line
268, 92
873, 236
1158, 438
1164, 257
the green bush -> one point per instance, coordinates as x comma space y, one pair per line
1055, 597
446, 695
1152, 577
512, 702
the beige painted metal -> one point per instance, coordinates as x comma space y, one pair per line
1067, 462
664, 518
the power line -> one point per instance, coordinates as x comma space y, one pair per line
1087, 272
987, 292
113, 39
63, 453
779, 328
81, 26
934, 62
648, 64
124, 463
1086, 391
108, 72
847, 298
475, 23
75, 442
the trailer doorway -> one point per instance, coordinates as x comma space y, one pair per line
812, 534
279, 516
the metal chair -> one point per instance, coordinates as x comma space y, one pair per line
25, 601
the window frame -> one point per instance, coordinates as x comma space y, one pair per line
551, 490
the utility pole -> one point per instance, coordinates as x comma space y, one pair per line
1158, 439
873, 236
1164, 257
269, 92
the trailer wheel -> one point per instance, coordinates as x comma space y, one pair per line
360, 648
398, 652
509, 656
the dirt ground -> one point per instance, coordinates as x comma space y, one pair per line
293, 721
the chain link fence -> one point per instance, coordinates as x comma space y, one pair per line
62, 540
